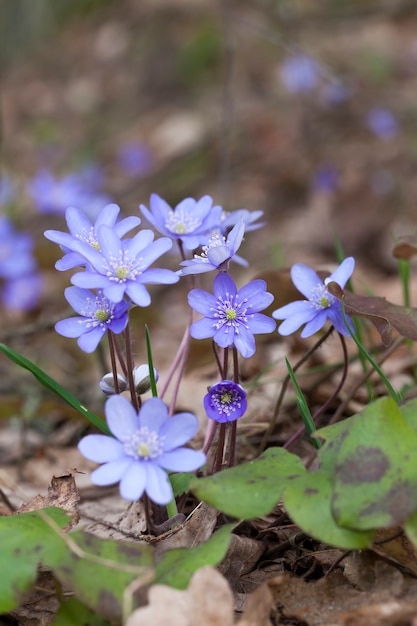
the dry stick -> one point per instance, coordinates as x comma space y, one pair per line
285, 383
329, 400
113, 362
130, 366
364, 378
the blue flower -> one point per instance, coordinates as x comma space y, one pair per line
247, 217
16, 258
81, 229
144, 446
96, 316
320, 304
217, 254
135, 159
382, 122
22, 293
232, 317
225, 401
122, 267
189, 222
55, 195
300, 73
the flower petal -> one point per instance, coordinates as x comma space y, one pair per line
132, 484
89, 341
203, 329
245, 342
293, 323
182, 460
305, 279
178, 429
121, 417
293, 308
261, 323
336, 318
101, 448
223, 286
315, 324
153, 414
201, 301
342, 274
111, 472
71, 327
158, 486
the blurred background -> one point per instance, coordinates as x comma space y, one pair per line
304, 110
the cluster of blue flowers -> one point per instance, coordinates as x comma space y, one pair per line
113, 270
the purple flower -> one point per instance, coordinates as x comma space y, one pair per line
54, 195
96, 316
225, 401
146, 444
135, 159
300, 73
320, 304
22, 293
217, 254
190, 221
122, 267
382, 122
16, 259
82, 229
325, 179
230, 219
232, 317
7, 190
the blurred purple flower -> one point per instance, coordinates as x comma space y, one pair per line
82, 229
22, 293
232, 317
122, 267
230, 219
225, 401
96, 315
382, 122
334, 93
55, 195
16, 259
189, 221
144, 446
325, 179
217, 254
135, 159
300, 73
320, 305
7, 190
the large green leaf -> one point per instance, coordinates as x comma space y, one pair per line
177, 566
375, 483
75, 613
308, 503
53, 386
252, 489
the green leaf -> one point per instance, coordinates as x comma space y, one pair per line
409, 413
75, 613
24, 540
307, 501
177, 566
180, 482
99, 570
252, 489
53, 386
375, 483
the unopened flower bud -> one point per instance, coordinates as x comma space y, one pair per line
142, 379
107, 383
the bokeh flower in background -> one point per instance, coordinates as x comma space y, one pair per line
135, 159
382, 122
144, 446
7, 190
21, 282
325, 179
300, 73
54, 195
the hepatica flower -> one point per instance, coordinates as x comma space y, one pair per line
232, 317
122, 267
300, 73
217, 254
225, 401
320, 304
145, 445
189, 221
382, 122
96, 315
82, 229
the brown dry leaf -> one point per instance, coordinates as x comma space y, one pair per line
386, 614
62, 493
405, 248
399, 549
194, 531
208, 601
241, 558
259, 608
